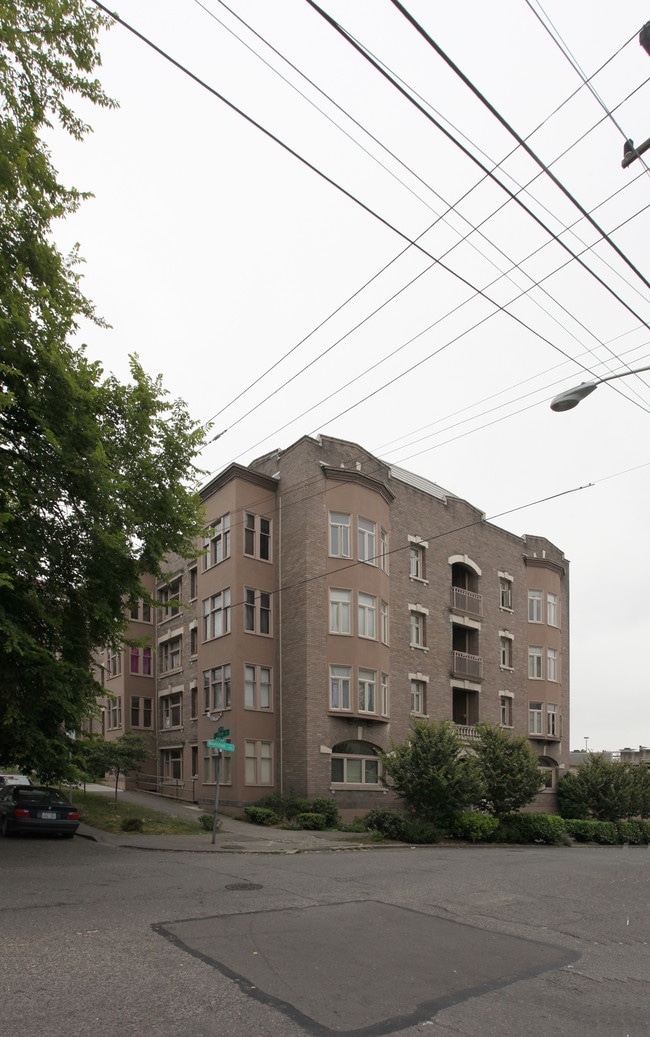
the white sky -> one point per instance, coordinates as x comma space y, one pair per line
213, 252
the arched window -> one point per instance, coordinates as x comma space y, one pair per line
355, 763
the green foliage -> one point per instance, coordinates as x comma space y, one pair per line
261, 816
606, 833
123, 756
101, 811
416, 831
328, 808
311, 821
390, 823
97, 483
606, 790
530, 828
474, 827
205, 820
632, 832
431, 772
132, 824
510, 771
583, 831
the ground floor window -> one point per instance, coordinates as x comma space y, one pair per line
258, 764
355, 763
210, 759
172, 764
141, 711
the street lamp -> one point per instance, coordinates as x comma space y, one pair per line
571, 397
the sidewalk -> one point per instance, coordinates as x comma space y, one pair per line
233, 837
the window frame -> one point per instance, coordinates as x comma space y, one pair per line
343, 691
340, 607
535, 663
367, 616
339, 534
535, 606
367, 541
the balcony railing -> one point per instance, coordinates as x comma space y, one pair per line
466, 601
464, 665
467, 732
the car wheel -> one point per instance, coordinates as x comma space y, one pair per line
6, 830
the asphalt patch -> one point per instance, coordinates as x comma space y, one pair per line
362, 968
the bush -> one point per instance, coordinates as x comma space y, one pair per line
631, 832
311, 821
261, 816
205, 820
531, 828
325, 805
580, 830
414, 831
606, 833
389, 822
285, 804
475, 827
132, 824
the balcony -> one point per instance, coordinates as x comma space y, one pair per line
467, 732
468, 602
465, 665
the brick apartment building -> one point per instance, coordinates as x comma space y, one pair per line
338, 596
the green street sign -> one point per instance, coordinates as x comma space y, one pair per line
222, 732
218, 743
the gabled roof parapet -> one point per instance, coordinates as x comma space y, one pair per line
237, 471
355, 475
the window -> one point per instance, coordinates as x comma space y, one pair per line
417, 629
257, 611
551, 665
505, 704
339, 535
367, 533
340, 611
193, 583
140, 661
216, 615
505, 593
194, 640
257, 536
505, 650
170, 600
113, 663
340, 677
535, 662
416, 562
172, 764
367, 691
171, 710
217, 542
210, 761
418, 697
534, 718
115, 713
534, 606
170, 655
552, 610
367, 616
146, 613
141, 712
551, 720
355, 763
384, 695
216, 688
194, 710
134, 611
384, 622
258, 761
383, 550
257, 687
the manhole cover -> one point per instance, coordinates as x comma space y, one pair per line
244, 885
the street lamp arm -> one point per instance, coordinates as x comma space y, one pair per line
570, 398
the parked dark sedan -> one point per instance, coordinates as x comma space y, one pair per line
35, 808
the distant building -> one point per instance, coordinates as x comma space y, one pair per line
337, 598
636, 756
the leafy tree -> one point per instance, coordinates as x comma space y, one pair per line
123, 756
431, 772
606, 790
97, 480
510, 771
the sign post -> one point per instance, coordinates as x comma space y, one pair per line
219, 743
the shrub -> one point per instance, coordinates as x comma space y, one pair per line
285, 804
311, 821
205, 820
473, 826
580, 830
414, 831
261, 816
606, 833
531, 828
325, 805
132, 824
631, 832
389, 822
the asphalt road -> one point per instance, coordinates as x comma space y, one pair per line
103, 941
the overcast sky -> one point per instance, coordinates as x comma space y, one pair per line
237, 271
